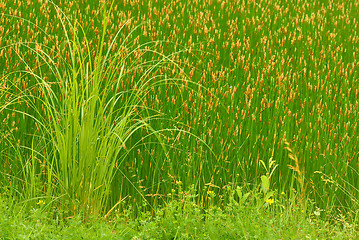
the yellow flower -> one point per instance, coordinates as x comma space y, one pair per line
270, 201
40, 202
211, 194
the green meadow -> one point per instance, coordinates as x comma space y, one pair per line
208, 115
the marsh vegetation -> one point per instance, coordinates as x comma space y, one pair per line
139, 104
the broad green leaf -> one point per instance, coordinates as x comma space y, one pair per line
265, 183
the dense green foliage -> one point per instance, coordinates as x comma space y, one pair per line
181, 218
102, 110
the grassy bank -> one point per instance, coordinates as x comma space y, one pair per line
243, 218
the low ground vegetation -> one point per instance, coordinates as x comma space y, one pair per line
245, 217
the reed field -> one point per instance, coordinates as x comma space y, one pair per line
105, 106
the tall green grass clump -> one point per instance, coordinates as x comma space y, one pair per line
87, 116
